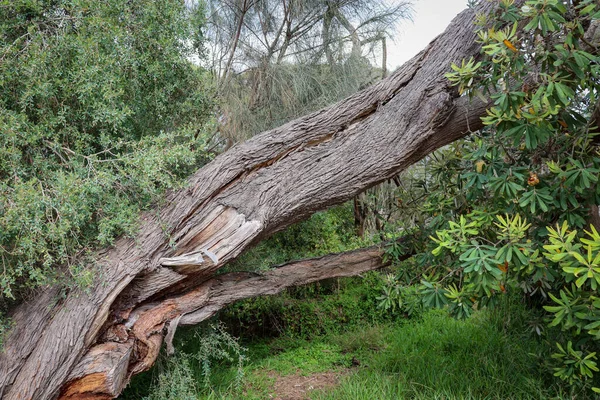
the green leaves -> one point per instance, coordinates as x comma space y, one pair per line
589, 8
533, 164
512, 228
580, 261
506, 186
454, 238
463, 76
101, 111
461, 306
485, 266
536, 199
433, 294
578, 176
390, 299
569, 306
480, 258
546, 16
574, 365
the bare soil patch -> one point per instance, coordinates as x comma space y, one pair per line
298, 387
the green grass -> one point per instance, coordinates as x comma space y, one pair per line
443, 358
308, 358
435, 357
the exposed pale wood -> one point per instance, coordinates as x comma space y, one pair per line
244, 195
171, 334
102, 372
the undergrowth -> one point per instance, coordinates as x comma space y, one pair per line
338, 326
492, 355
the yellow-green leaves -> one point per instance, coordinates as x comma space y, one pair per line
456, 236
580, 261
463, 75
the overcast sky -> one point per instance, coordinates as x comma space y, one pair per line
430, 18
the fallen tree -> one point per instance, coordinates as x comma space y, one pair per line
87, 343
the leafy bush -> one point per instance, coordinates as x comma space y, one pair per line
100, 112
200, 351
175, 382
511, 204
216, 344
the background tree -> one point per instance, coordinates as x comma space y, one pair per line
277, 60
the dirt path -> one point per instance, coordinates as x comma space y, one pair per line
298, 387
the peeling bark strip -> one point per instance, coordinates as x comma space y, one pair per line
105, 366
246, 194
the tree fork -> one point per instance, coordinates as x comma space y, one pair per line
246, 194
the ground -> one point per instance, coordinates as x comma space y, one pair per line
299, 387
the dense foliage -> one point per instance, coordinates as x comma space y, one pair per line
101, 110
511, 206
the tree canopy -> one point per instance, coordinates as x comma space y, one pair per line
277, 60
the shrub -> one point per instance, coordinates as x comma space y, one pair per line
511, 203
100, 112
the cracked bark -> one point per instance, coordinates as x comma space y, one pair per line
100, 337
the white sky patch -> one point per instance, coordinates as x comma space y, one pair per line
430, 18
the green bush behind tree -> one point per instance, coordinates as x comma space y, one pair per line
101, 111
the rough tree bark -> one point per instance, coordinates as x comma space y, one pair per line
87, 343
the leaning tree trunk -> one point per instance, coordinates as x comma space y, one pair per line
87, 343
